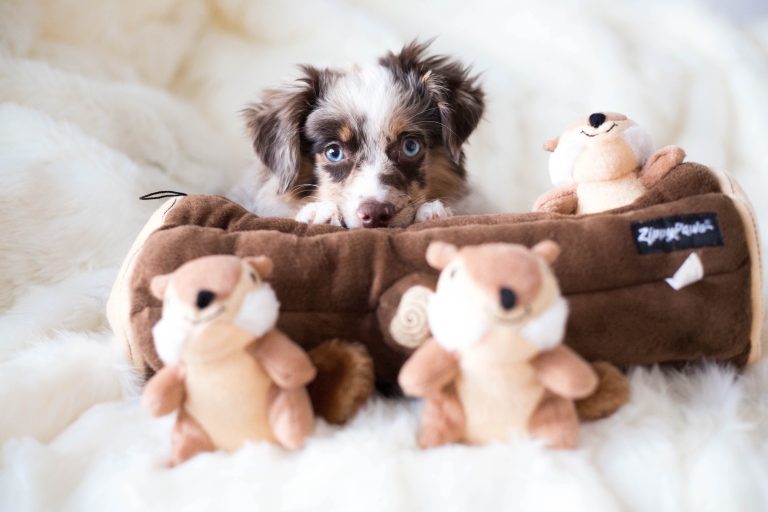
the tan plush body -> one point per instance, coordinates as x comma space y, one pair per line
228, 372
495, 368
603, 162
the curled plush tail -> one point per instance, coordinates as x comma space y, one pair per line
344, 380
612, 392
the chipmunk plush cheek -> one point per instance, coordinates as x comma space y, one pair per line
561, 161
259, 310
172, 330
456, 317
546, 330
169, 339
640, 142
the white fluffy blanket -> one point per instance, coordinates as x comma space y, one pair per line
106, 100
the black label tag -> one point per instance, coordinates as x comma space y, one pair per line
677, 232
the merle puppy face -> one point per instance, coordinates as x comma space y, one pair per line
377, 140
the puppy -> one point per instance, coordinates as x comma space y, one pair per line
367, 147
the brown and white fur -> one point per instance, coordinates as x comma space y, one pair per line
371, 146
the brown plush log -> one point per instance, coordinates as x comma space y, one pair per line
330, 281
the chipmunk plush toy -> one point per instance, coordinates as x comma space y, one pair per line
603, 162
495, 367
228, 372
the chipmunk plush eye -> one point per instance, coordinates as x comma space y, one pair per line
507, 298
253, 277
204, 299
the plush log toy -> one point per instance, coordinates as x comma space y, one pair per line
347, 284
602, 162
496, 367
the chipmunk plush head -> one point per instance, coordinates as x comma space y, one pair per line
603, 161
600, 147
212, 290
490, 290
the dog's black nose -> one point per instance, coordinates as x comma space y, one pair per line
508, 298
204, 298
596, 119
374, 214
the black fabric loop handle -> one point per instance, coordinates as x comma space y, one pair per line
161, 194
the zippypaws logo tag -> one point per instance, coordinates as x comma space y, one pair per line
676, 233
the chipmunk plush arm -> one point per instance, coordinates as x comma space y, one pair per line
566, 374
428, 370
659, 164
164, 392
562, 199
284, 361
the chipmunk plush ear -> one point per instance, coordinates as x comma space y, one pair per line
547, 249
551, 144
440, 254
262, 265
158, 285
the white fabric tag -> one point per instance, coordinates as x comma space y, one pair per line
690, 271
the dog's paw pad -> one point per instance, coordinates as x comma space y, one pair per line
432, 210
321, 212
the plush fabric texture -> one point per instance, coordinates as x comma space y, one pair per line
231, 381
103, 101
614, 291
502, 384
601, 163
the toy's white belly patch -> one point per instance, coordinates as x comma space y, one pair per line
498, 401
229, 398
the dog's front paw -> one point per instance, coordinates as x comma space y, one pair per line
321, 212
432, 210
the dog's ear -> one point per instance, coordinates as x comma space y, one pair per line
453, 88
275, 123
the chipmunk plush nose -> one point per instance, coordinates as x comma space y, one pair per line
204, 299
374, 214
596, 119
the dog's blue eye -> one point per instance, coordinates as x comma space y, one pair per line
334, 153
411, 147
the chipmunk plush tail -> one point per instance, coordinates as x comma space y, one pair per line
344, 380
612, 392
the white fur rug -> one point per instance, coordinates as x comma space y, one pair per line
104, 101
